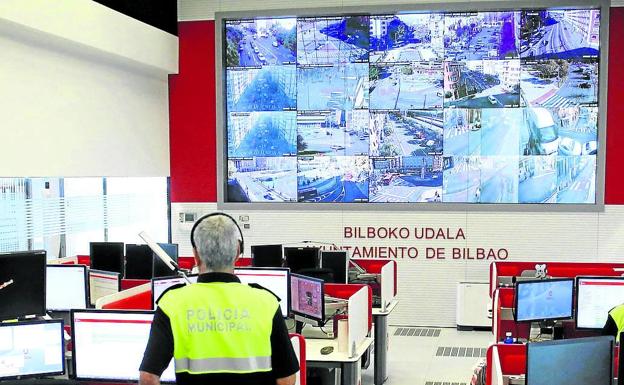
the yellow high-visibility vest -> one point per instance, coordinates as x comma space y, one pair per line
220, 327
617, 313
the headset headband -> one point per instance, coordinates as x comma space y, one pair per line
241, 240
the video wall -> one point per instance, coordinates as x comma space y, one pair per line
483, 107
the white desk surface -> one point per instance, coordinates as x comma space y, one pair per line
389, 308
314, 345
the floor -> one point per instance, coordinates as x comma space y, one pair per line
414, 360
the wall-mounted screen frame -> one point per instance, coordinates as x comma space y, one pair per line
403, 171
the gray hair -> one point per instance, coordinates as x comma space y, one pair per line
217, 241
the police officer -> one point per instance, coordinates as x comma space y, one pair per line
218, 330
615, 322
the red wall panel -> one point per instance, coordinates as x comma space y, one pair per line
192, 117
614, 183
193, 121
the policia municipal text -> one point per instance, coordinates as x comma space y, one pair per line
218, 330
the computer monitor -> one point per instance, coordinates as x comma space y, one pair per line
160, 269
139, 262
266, 256
31, 349
577, 361
595, 296
108, 345
22, 284
107, 256
159, 285
620, 375
103, 283
337, 262
549, 299
298, 258
276, 280
307, 299
66, 287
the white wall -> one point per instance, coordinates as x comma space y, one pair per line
84, 91
427, 287
205, 9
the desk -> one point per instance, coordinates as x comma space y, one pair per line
380, 319
348, 365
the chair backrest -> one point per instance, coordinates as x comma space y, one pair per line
299, 345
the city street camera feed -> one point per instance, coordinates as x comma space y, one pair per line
483, 107
254, 43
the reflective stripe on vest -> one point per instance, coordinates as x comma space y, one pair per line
617, 313
220, 327
202, 365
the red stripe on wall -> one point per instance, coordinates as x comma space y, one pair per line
192, 117
614, 181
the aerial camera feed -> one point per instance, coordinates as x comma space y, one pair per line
332, 40
410, 133
481, 35
259, 42
560, 83
262, 179
406, 86
337, 132
271, 88
484, 132
262, 134
406, 179
482, 84
481, 179
332, 87
407, 38
333, 179
560, 34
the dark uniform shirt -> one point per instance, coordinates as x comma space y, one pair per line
159, 351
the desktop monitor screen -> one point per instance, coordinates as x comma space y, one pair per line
22, 284
578, 361
548, 299
109, 345
160, 269
31, 348
266, 255
102, 283
307, 297
336, 261
107, 256
275, 280
66, 287
594, 298
298, 258
159, 285
139, 263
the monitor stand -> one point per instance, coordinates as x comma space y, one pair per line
542, 330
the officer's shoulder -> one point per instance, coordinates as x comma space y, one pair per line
264, 289
170, 289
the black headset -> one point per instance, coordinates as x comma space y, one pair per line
241, 241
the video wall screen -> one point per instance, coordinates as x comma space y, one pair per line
479, 107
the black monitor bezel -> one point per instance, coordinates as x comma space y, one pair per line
162, 279
74, 374
116, 244
515, 308
151, 254
86, 286
346, 277
321, 320
281, 247
43, 374
317, 261
576, 307
105, 272
156, 259
42, 310
287, 270
568, 342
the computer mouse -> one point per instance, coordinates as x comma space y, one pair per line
327, 350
